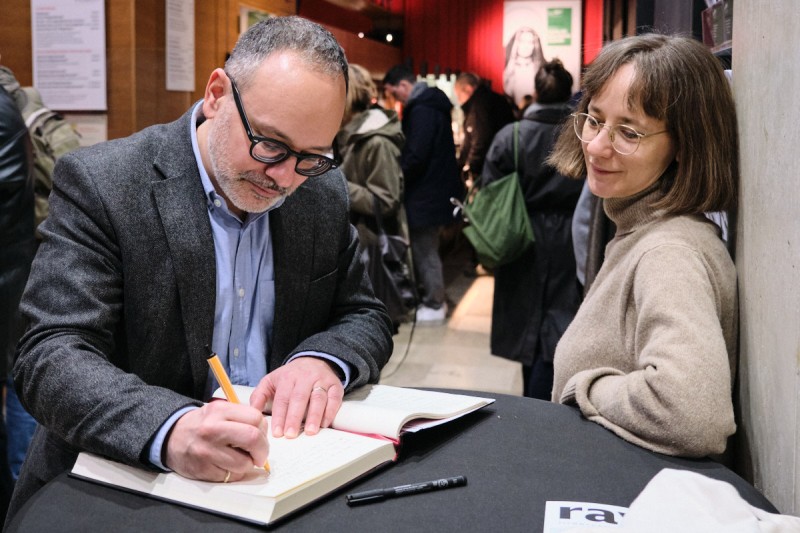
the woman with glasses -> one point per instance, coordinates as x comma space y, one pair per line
536, 295
651, 353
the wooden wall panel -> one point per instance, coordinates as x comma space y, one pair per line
15, 39
121, 68
155, 104
209, 48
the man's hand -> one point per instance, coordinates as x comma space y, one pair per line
220, 441
306, 386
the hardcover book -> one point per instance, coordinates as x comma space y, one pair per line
363, 437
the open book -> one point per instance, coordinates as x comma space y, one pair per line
365, 431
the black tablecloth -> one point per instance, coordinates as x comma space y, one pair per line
516, 454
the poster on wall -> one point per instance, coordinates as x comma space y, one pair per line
69, 53
537, 31
180, 45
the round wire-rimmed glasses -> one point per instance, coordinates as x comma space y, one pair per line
624, 139
267, 150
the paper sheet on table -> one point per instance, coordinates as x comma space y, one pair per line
680, 501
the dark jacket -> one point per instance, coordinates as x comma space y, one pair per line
117, 331
369, 147
429, 158
17, 242
484, 114
535, 296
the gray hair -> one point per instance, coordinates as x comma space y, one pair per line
314, 44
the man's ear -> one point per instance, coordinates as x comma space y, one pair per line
215, 89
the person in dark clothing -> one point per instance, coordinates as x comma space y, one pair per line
18, 244
485, 112
537, 295
431, 176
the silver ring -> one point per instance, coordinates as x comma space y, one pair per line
227, 476
315, 389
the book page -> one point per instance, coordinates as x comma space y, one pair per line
384, 410
302, 460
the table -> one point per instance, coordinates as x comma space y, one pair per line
517, 454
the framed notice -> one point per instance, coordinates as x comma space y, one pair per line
180, 45
69, 53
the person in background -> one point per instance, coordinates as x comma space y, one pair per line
18, 246
651, 353
431, 179
369, 146
51, 137
226, 228
523, 105
536, 295
485, 112
524, 58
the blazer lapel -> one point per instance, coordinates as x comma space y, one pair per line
291, 230
181, 204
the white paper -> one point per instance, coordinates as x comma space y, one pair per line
180, 45
564, 516
69, 53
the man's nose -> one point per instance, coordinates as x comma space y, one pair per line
283, 172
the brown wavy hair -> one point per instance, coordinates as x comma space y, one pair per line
361, 93
679, 81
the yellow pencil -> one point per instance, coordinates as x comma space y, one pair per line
225, 382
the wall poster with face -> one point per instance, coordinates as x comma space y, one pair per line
537, 31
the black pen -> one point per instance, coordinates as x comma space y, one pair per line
378, 495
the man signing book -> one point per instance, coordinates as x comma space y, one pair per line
227, 228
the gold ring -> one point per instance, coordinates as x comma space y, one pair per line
315, 389
227, 476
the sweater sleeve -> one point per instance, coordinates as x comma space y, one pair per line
678, 398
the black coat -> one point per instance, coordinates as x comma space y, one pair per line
535, 296
17, 241
429, 159
484, 114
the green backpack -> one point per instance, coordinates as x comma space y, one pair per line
51, 136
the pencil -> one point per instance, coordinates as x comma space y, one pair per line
225, 382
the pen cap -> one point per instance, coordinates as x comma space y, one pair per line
368, 496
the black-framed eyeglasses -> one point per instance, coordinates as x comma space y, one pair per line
268, 150
624, 139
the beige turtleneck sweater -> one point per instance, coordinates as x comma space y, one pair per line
651, 354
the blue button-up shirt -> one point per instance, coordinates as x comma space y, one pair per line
245, 293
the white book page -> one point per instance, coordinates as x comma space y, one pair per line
294, 463
384, 410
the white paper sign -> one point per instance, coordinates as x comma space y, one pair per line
562, 517
180, 45
69, 53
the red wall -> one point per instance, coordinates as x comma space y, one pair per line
455, 35
332, 15
460, 35
466, 35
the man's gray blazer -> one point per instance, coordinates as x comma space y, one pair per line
122, 294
